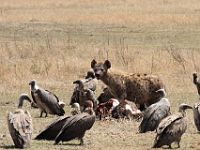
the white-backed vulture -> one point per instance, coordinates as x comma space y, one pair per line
20, 124
154, 114
196, 115
46, 100
172, 128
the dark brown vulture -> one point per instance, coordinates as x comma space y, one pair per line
20, 124
82, 94
75, 128
196, 114
172, 128
84, 88
69, 128
46, 100
52, 130
154, 114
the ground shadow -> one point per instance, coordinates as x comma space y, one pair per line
7, 146
69, 144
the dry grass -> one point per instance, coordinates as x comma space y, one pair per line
54, 42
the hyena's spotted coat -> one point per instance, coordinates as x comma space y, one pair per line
139, 88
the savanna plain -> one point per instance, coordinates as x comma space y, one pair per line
55, 41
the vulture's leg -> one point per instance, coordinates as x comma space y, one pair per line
41, 112
46, 114
170, 147
81, 141
178, 143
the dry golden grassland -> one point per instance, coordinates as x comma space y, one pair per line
55, 41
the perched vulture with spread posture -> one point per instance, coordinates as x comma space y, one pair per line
20, 124
154, 114
46, 100
52, 130
69, 128
172, 128
196, 114
75, 127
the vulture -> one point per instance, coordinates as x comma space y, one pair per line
84, 88
20, 124
196, 82
81, 94
196, 114
154, 114
75, 109
69, 128
52, 130
90, 81
75, 127
46, 101
172, 128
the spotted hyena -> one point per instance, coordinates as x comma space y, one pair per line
143, 89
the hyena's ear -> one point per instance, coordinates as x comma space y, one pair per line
107, 63
93, 62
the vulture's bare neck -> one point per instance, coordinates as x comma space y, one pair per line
34, 88
22, 98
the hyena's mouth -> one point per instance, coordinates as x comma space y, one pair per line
97, 76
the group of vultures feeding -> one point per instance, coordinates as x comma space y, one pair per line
139, 97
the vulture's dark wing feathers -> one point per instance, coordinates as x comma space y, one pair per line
152, 117
76, 127
52, 130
